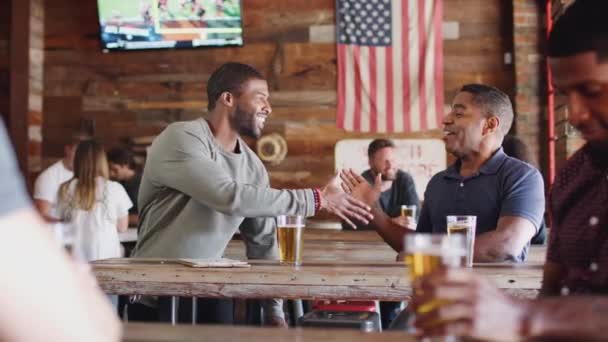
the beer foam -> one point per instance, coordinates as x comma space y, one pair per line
290, 226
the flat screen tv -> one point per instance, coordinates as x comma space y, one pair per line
169, 24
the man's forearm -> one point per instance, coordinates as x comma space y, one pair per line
494, 246
577, 318
389, 231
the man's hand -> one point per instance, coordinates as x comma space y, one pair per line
345, 206
457, 302
276, 321
359, 188
405, 222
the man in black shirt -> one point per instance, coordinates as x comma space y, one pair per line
123, 170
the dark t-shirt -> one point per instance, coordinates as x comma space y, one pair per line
132, 188
401, 192
13, 195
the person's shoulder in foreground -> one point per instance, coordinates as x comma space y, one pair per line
57, 302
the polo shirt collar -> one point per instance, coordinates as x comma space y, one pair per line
490, 167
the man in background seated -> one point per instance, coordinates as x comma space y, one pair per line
47, 184
44, 296
506, 194
574, 304
398, 187
123, 170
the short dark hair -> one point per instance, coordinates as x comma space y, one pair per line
229, 77
493, 102
121, 156
377, 145
582, 28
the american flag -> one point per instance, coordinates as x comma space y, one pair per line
390, 65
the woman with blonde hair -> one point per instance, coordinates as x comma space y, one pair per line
96, 207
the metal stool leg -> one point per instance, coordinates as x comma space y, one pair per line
194, 311
174, 305
298, 310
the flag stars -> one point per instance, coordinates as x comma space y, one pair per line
370, 19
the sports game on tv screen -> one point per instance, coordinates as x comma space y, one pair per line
168, 24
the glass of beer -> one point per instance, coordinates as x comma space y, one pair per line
289, 235
464, 226
408, 211
426, 253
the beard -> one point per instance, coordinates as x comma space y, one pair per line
390, 175
244, 122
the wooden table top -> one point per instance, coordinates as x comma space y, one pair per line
370, 248
341, 235
336, 245
326, 250
266, 279
140, 332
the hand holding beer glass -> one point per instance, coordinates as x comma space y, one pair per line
465, 226
427, 253
289, 236
407, 218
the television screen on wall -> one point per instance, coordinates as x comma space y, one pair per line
169, 24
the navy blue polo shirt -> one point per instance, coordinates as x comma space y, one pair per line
504, 186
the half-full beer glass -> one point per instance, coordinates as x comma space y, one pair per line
465, 226
426, 253
289, 236
408, 211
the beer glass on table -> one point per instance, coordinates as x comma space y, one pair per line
289, 236
465, 226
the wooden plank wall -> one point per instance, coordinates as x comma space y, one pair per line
137, 93
5, 31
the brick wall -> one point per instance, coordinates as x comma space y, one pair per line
530, 80
36, 76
